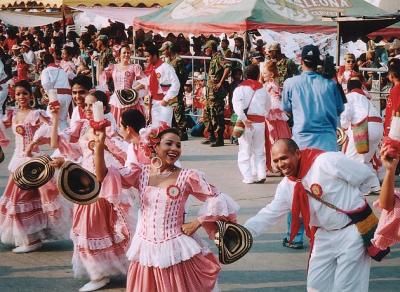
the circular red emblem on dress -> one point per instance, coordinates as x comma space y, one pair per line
173, 191
158, 75
316, 189
91, 145
20, 130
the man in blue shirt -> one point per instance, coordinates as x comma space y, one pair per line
315, 104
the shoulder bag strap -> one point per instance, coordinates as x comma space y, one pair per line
329, 205
251, 99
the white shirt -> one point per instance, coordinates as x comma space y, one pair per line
53, 78
260, 104
166, 76
29, 57
343, 182
356, 109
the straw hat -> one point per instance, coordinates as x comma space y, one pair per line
127, 96
233, 241
77, 184
34, 173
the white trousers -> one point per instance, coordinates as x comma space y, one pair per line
375, 133
251, 156
161, 113
338, 262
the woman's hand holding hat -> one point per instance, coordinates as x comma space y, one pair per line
57, 162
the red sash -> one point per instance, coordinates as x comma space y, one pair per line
153, 80
300, 197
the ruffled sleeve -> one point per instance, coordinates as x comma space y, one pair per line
34, 119
108, 71
217, 206
67, 141
125, 177
137, 70
116, 149
42, 135
388, 230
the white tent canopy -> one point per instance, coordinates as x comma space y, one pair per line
26, 20
125, 15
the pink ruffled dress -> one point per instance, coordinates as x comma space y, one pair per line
100, 231
388, 230
29, 215
277, 126
123, 79
163, 259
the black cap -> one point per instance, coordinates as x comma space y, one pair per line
310, 55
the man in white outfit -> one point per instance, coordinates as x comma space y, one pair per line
163, 86
251, 103
338, 261
53, 77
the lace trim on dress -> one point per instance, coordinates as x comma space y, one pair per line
167, 253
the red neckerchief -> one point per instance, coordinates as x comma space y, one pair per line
254, 84
300, 197
153, 80
81, 112
54, 65
359, 91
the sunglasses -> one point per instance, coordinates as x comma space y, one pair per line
350, 62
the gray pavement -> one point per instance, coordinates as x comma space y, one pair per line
268, 267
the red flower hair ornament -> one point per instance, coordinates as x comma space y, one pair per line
149, 137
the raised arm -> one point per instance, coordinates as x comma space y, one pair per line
99, 162
386, 197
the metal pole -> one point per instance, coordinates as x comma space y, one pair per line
338, 41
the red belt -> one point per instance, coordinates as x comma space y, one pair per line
159, 96
256, 118
374, 119
64, 91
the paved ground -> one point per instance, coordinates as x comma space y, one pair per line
268, 267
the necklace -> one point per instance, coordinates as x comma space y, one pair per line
167, 173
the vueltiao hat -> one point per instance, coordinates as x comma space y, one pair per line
34, 173
127, 96
234, 241
341, 136
77, 184
238, 129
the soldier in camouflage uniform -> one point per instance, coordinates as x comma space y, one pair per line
286, 67
105, 55
216, 92
170, 55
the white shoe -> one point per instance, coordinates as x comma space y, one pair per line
247, 181
94, 285
27, 248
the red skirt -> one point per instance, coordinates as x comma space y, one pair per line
199, 273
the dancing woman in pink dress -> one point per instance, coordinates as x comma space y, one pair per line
29, 216
165, 253
277, 126
123, 75
100, 231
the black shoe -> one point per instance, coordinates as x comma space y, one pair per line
206, 142
217, 144
2, 156
261, 181
184, 137
294, 245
